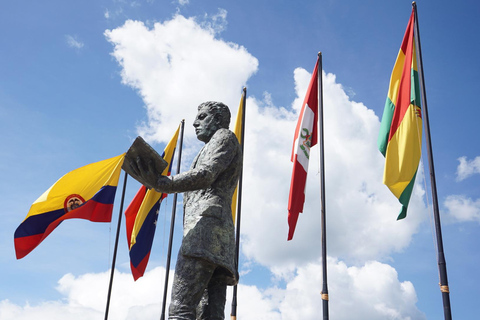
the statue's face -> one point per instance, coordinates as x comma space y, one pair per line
205, 124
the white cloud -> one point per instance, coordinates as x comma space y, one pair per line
373, 292
52, 310
114, 13
129, 300
73, 42
183, 2
84, 297
463, 209
176, 66
254, 303
467, 168
217, 22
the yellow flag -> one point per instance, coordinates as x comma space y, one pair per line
238, 133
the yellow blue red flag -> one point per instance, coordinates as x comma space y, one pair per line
141, 217
400, 137
85, 193
238, 133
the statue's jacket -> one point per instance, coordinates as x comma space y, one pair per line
209, 186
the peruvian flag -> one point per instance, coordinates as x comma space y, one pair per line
305, 138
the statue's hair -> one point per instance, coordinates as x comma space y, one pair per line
218, 109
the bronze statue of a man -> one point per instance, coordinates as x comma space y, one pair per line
206, 260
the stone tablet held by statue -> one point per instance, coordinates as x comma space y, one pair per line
142, 151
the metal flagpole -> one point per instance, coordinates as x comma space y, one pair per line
115, 247
233, 314
442, 266
322, 189
172, 225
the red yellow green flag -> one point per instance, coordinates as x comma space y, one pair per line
400, 138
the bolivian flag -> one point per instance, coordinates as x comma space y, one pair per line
400, 138
141, 217
85, 193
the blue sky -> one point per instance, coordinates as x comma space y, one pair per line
80, 80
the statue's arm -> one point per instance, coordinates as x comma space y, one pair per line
219, 155
195, 179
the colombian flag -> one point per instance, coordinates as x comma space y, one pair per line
141, 217
85, 193
400, 138
238, 130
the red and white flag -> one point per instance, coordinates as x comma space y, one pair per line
305, 138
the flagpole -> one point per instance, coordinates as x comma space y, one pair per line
322, 189
172, 225
442, 266
114, 259
233, 314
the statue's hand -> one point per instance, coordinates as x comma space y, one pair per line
145, 171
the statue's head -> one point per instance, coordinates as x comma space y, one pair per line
211, 116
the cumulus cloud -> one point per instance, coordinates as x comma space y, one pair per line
373, 291
84, 297
217, 22
467, 168
176, 66
463, 209
53, 310
73, 42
